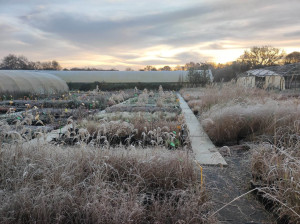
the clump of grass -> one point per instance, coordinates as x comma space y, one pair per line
143, 98
49, 184
235, 121
202, 99
277, 170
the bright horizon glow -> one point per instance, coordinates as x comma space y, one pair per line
108, 62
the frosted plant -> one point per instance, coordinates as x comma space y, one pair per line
111, 101
143, 98
39, 122
11, 110
151, 93
38, 135
26, 133
70, 120
160, 89
160, 102
14, 135
83, 133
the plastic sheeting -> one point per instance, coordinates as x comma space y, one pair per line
14, 82
120, 76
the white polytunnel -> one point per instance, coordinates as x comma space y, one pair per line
121, 76
16, 82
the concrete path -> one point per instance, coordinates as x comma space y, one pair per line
205, 151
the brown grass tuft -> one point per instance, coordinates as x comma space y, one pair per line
49, 184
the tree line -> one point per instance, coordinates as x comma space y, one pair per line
14, 62
256, 57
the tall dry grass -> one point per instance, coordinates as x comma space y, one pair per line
202, 99
272, 122
235, 121
277, 170
230, 113
49, 184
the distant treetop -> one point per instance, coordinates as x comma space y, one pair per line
14, 62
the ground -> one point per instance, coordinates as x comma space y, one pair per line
136, 144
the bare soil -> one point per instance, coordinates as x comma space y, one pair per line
230, 182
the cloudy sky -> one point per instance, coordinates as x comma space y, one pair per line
135, 33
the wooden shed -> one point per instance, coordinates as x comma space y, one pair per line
274, 77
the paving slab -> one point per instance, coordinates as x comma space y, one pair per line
205, 151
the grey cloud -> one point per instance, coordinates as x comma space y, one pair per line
201, 23
141, 31
198, 24
191, 56
295, 34
151, 62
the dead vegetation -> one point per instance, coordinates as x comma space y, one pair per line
202, 99
230, 123
269, 122
277, 171
118, 169
139, 129
49, 184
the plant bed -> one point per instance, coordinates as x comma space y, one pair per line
135, 108
87, 185
138, 129
152, 101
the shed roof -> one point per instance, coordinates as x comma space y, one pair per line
284, 70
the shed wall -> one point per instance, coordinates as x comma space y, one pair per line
275, 81
248, 81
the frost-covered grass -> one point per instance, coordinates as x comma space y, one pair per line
49, 184
276, 169
119, 169
137, 129
202, 99
130, 116
268, 121
235, 121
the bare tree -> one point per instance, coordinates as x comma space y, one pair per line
197, 77
179, 68
14, 62
165, 68
55, 65
293, 57
258, 57
150, 68
22, 63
